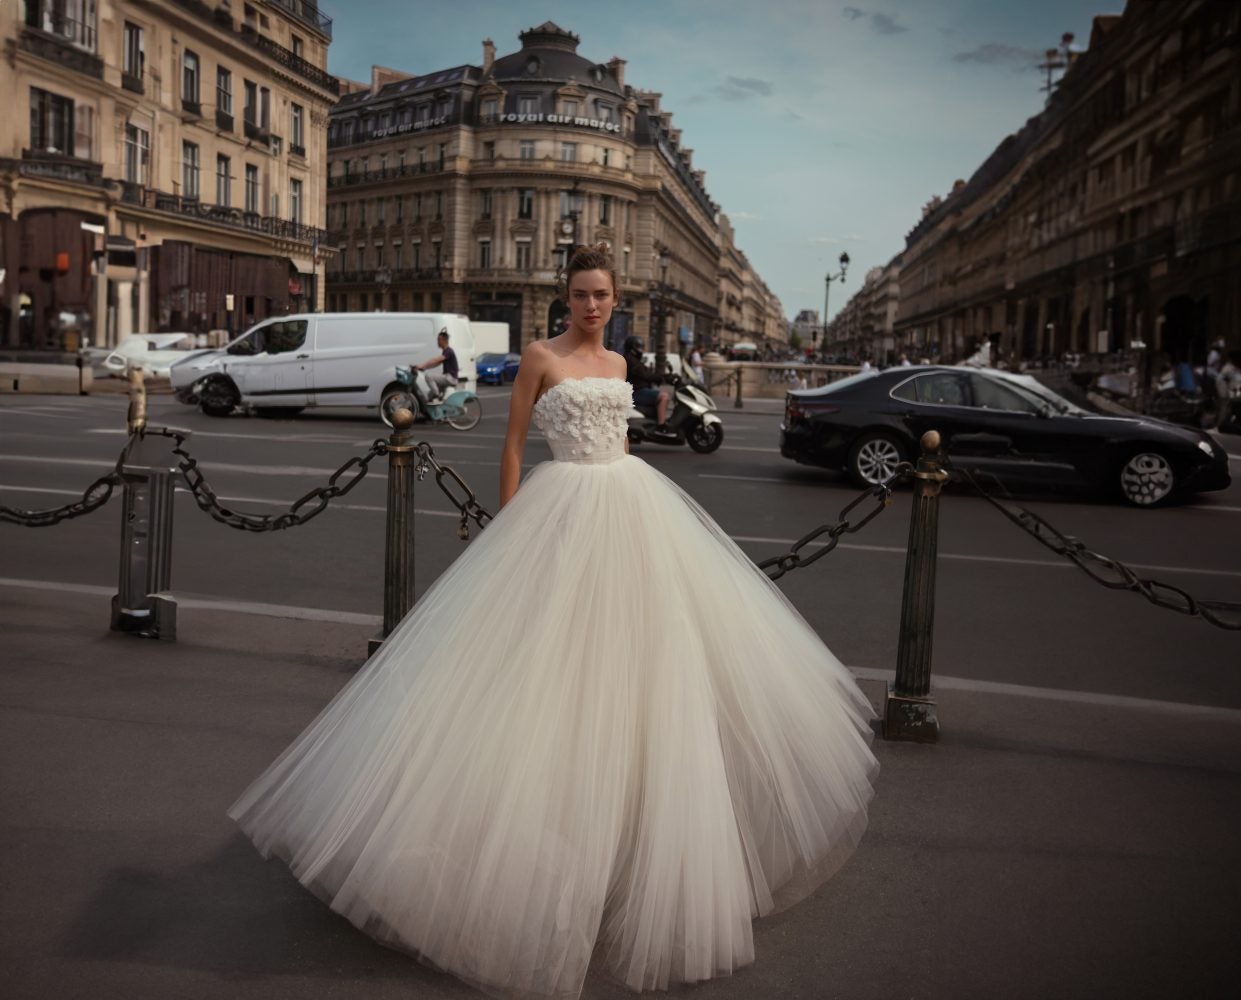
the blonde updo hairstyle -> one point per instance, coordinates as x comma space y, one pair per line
587, 258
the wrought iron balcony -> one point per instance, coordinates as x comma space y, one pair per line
232, 218
60, 50
307, 11
296, 150
394, 275
385, 173
192, 107
223, 120
56, 166
256, 132
294, 63
132, 83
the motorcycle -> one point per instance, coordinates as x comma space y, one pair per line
692, 421
411, 391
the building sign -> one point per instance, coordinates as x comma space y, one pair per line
542, 119
381, 133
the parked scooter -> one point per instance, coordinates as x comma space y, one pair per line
460, 409
693, 420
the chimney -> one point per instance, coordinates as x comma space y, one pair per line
489, 55
616, 66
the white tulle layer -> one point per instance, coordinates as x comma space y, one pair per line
602, 732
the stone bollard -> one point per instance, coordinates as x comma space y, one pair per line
909, 709
399, 547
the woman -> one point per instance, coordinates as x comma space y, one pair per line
625, 763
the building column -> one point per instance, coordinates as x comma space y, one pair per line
144, 293
124, 309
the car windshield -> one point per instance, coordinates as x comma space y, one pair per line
492, 359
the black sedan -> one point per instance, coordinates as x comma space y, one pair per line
1000, 423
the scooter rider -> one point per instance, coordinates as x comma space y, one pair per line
647, 387
442, 381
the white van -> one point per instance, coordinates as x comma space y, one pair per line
318, 359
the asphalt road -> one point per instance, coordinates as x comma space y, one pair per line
1007, 610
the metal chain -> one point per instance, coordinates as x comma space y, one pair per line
300, 511
1111, 573
777, 566
94, 496
469, 507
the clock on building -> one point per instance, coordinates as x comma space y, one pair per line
566, 228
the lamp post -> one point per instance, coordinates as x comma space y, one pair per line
383, 278
659, 313
827, 287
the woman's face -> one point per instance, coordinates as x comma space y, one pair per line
591, 298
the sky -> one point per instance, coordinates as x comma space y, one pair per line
823, 126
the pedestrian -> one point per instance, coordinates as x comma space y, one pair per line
624, 763
695, 365
1227, 388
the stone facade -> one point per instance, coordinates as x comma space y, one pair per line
169, 157
464, 188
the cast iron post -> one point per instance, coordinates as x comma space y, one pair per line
399, 548
909, 709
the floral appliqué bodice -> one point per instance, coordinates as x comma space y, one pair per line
584, 419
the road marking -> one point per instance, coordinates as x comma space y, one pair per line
203, 602
755, 479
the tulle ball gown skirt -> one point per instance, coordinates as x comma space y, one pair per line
601, 734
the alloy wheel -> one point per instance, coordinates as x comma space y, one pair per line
1147, 479
877, 460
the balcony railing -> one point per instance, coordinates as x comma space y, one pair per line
296, 150
233, 218
294, 63
192, 107
55, 166
383, 174
223, 120
257, 132
307, 11
59, 49
132, 83
370, 276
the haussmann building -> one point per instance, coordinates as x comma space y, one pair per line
463, 190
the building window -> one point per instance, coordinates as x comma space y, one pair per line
380, 207
528, 104
134, 56
362, 212
296, 129
606, 156
223, 182
568, 152
605, 210
489, 152
423, 113
525, 203
416, 263
418, 208
72, 20
571, 202
422, 158
189, 80
400, 209
275, 206
252, 189
189, 169
250, 111
362, 260
298, 46
443, 152
438, 249
489, 108
379, 255
264, 108
137, 154
484, 204
295, 201
223, 91
523, 255
605, 112
51, 122
396, 255
570, 109
439, 206
527, 149
484, 254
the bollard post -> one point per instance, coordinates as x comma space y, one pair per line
737, 404
909, 709
149, 476
399, 541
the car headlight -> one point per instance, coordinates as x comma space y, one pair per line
1206, 446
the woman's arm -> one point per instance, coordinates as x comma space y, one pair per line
521, 405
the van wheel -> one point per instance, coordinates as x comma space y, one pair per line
396, 397
219, 397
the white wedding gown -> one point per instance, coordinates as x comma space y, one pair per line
601, 733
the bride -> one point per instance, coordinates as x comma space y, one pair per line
620, 767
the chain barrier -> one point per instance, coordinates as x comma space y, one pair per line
94, 496
777, 566
1111, 573
299, 512
469, 508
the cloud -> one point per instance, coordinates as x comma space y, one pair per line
881, 24
790, 113
742, 88
996, 53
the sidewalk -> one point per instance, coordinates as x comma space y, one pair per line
1044, 848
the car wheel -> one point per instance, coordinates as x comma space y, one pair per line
467, 415
219, 397
705, 438
874, 457
396, 397
1147, 479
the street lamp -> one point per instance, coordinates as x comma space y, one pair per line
383, 278
827, 287
659, 313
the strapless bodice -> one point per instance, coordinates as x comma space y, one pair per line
584, 419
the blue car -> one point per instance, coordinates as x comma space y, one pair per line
496, 369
